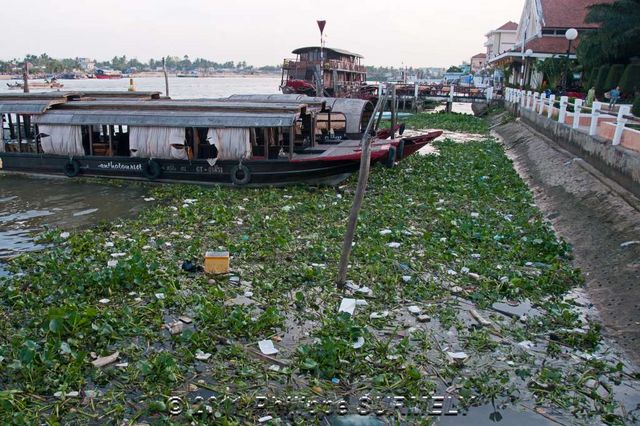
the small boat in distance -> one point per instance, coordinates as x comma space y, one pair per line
103, 74
53, 84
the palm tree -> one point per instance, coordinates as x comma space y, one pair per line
617, 39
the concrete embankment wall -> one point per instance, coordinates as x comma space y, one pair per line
617, 163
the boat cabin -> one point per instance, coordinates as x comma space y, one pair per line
323, 71
120, 133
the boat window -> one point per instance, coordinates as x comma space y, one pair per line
331, 125
19, 134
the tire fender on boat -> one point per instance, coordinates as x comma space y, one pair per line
240, 175
391, 157
400, 150
151, 170
72, 168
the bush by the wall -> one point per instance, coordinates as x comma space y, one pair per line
630, 80
601, 79
635, 109
613, 77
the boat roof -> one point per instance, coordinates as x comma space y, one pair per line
353, 109
28, 105
330, 49
167, 118
185, 105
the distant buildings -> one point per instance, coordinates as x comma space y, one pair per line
478, 62
500, 40
541, 34
87, 65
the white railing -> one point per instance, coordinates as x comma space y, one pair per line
539, 103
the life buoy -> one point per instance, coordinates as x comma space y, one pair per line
151, 170
72, 168
391, 157
240, 175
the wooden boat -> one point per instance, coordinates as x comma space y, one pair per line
221, 142
107, 74
53, 84
337, 72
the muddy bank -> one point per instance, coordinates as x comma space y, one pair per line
597, 217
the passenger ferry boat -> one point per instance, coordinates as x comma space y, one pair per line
241, 140
107, 74
335, 72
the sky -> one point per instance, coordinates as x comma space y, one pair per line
417, 33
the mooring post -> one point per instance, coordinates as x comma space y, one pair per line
166, 77
363, 176
623, 110
595, 114
25, 77
577, 109
394, 111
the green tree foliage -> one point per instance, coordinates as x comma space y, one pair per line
601, 79
635, 109
618, 38
630, 80
552, 70
613, 77
453, 68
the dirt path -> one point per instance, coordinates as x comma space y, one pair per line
597, 217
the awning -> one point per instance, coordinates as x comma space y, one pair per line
167, 118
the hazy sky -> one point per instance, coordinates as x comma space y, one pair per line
262, 32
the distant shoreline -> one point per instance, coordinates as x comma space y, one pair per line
153, 74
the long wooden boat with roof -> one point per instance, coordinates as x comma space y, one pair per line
138, 135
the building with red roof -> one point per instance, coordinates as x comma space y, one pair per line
541, 34
501, 39
478, 62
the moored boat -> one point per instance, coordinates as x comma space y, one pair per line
53, 84
102, 74
221, 142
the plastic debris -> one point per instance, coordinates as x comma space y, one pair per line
267, 348
475, 214
265, 419
160, 296
378, 315
122, 365
385, 232
117, 255
274, 367
149, 199
361, 302
474, 276
188, 266
393, 245
348, 306
359, 343
64, 235
201, 356
335, 381
366, 291
415, 310
104, 301
105, 360
72, 394
112, 263
629, 243
108, 244
424, 318
406, 278
457, 357
185, 319
175, 327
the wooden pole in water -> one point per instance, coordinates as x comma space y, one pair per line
363, 177
394, 111
25, 77
166, 78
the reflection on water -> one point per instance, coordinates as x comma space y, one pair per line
29, 205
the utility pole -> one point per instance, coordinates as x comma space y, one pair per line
166, 78
25, 77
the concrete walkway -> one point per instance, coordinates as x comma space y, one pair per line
597, 217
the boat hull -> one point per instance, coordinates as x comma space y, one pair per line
263, 173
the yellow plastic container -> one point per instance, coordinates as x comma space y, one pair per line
216, 262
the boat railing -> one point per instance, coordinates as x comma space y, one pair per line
330, 64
